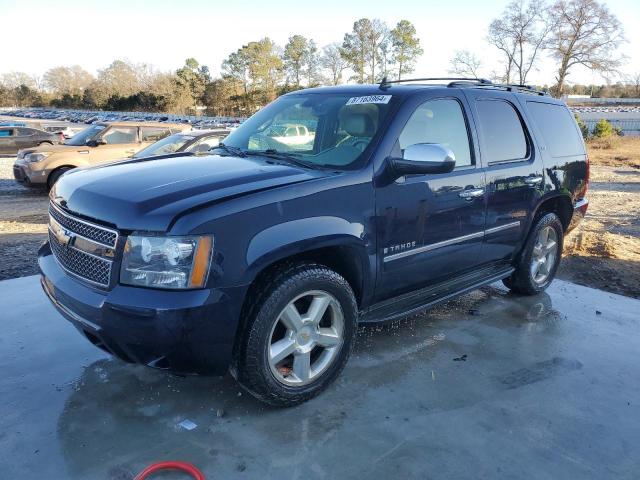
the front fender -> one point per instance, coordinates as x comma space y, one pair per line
297, 236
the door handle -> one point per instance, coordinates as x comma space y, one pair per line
471, 193
533, 180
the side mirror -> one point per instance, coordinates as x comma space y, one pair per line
96, 143
424, 158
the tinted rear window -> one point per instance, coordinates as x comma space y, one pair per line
558, 129
502, 132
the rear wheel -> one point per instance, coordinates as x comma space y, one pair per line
299, 335
55, 175
540, 257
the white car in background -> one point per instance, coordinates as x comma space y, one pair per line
291, 134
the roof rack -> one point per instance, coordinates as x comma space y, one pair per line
384, 84
515, 87
470, 82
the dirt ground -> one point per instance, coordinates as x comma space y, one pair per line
603, 252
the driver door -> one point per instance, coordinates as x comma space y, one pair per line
430, 227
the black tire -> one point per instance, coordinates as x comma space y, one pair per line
522, 280
252, 368
55, 175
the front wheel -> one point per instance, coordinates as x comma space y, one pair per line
540, 257
55, 175
298, 336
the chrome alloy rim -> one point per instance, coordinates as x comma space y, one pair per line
544, 255
306, 338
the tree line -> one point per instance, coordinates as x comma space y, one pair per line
571, 32
250, 77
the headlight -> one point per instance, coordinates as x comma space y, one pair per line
166, 262
36, 157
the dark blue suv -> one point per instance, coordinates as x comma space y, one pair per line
328, 208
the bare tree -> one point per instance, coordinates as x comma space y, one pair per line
465, 64
521, 33
584, 33
17, 79
633, 81
71, 80
333, 62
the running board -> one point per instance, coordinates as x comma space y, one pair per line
414, 302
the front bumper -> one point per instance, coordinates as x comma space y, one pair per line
183, 331
19, 175
22, 173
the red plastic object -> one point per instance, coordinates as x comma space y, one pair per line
180, 466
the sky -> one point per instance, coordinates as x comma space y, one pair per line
93, 33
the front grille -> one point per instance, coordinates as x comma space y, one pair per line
91, 268
88, 230
72, 240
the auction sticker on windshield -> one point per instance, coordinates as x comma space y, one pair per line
369, 99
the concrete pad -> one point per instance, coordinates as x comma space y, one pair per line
549, 388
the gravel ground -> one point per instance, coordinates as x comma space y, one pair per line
604, 252
23, 224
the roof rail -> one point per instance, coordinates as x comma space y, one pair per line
513, 87
470, 82
384, 84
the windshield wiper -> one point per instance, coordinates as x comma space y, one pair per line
287, 157
232, 150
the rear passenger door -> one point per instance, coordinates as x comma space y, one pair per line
514, 171
25, 138
7, 140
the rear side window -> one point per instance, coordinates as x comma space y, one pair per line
6, 132
558, 129
154, 134
502, 134
439, 121
25, 132
120, 135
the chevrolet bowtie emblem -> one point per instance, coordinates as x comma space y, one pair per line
64, 236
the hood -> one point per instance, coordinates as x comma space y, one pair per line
52, 148
147, 194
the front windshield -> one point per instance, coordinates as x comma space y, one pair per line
85, 135
167, 145
318, 129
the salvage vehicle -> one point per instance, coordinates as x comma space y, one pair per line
100, 143
13, 139
194, 141
264, 261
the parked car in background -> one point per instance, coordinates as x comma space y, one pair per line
291, 134
194, 141
13, 139
100, 143
65, 130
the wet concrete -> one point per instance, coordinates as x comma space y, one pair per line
488, 386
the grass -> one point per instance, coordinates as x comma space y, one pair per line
615, 151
